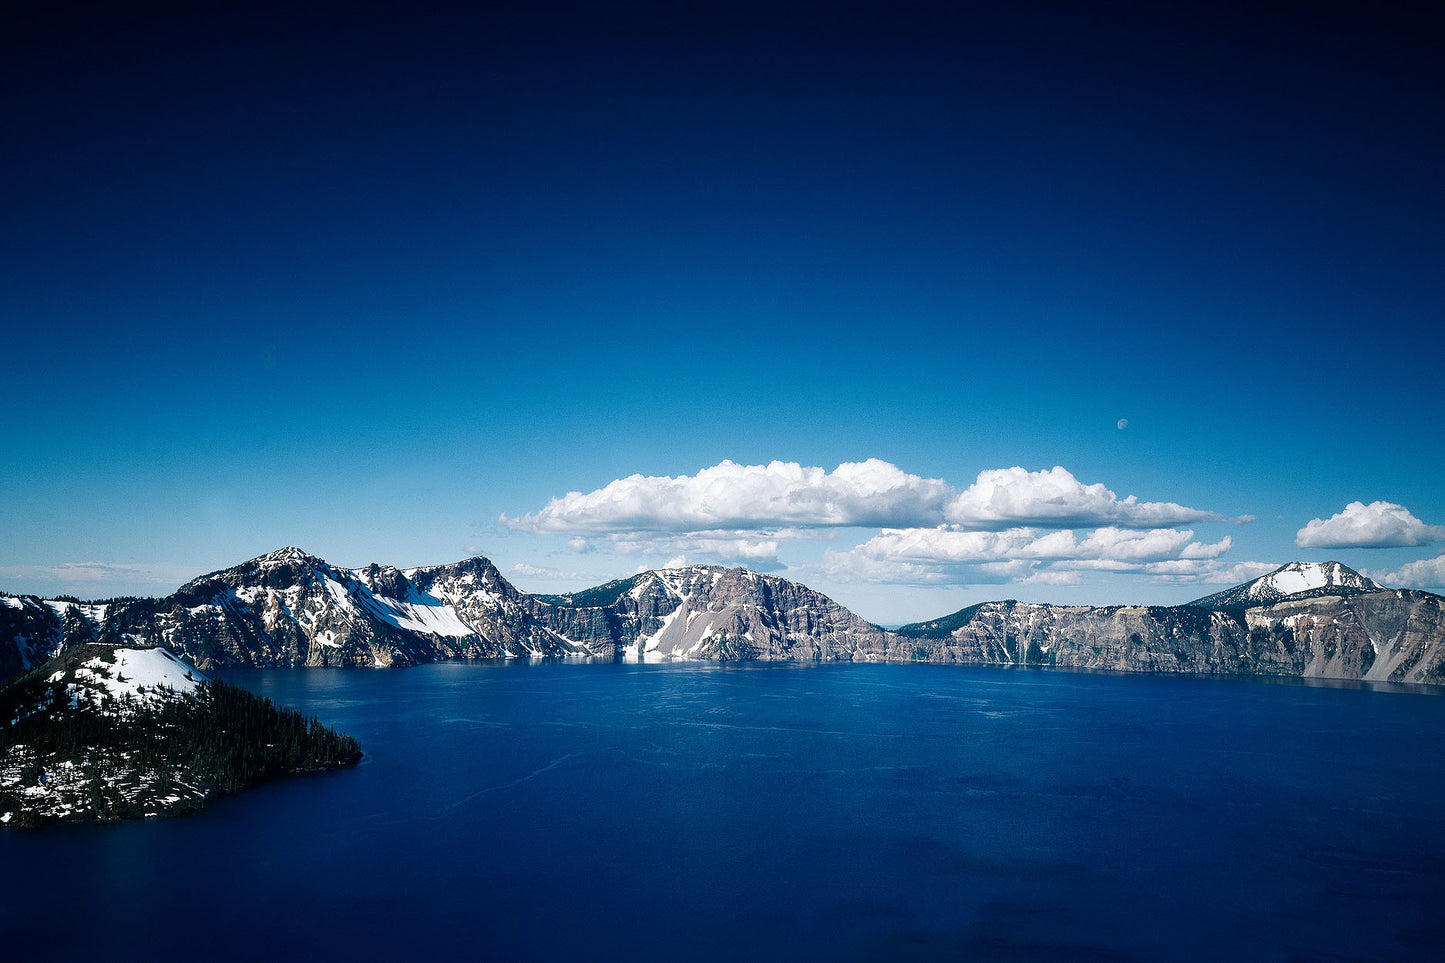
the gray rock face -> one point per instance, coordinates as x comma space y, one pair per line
1396, 636
707, 612
293, 609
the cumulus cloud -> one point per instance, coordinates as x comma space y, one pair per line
949, 554
854, 566
732, 548
1010, 524
1376, 525
1008, 497
728, 495
872, 493
1425, 573
1052, 578
1195, 571
946, 544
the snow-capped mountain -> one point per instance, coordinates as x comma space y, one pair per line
291, 608
1297, 580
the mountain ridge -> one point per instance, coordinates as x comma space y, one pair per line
290, 608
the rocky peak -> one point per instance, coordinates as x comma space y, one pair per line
385, 580
1297, 580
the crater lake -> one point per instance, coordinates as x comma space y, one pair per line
833, 812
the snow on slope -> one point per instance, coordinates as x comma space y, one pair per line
425, 614
1294, 579
95, 613
141, 674
1305, 576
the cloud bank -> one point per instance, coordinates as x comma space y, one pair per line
872, 493
1376, 525
731, 496
1427, 573
1006, 497
1009, 524
947, 555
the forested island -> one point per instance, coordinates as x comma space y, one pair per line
103, 733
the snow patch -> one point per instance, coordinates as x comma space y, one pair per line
430, 619
95, 613
137, 669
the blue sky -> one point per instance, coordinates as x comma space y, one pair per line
383, 283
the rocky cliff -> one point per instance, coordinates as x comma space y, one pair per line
706, 612
1387, 635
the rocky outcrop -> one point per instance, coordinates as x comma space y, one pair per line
707, 612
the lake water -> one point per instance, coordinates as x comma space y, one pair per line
513, 811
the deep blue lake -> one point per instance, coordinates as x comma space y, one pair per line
685, 811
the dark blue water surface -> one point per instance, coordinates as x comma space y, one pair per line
516, 811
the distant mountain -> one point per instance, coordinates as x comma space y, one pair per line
1297, 580
1317, 620
291, 608
106, 732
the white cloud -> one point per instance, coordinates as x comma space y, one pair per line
1011, 524
1008, 497
1376, 525
853, 566
872, 493
1425, 573
1197, 571
737, 547
927, 556
950, 545
1051, 578
727, 495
